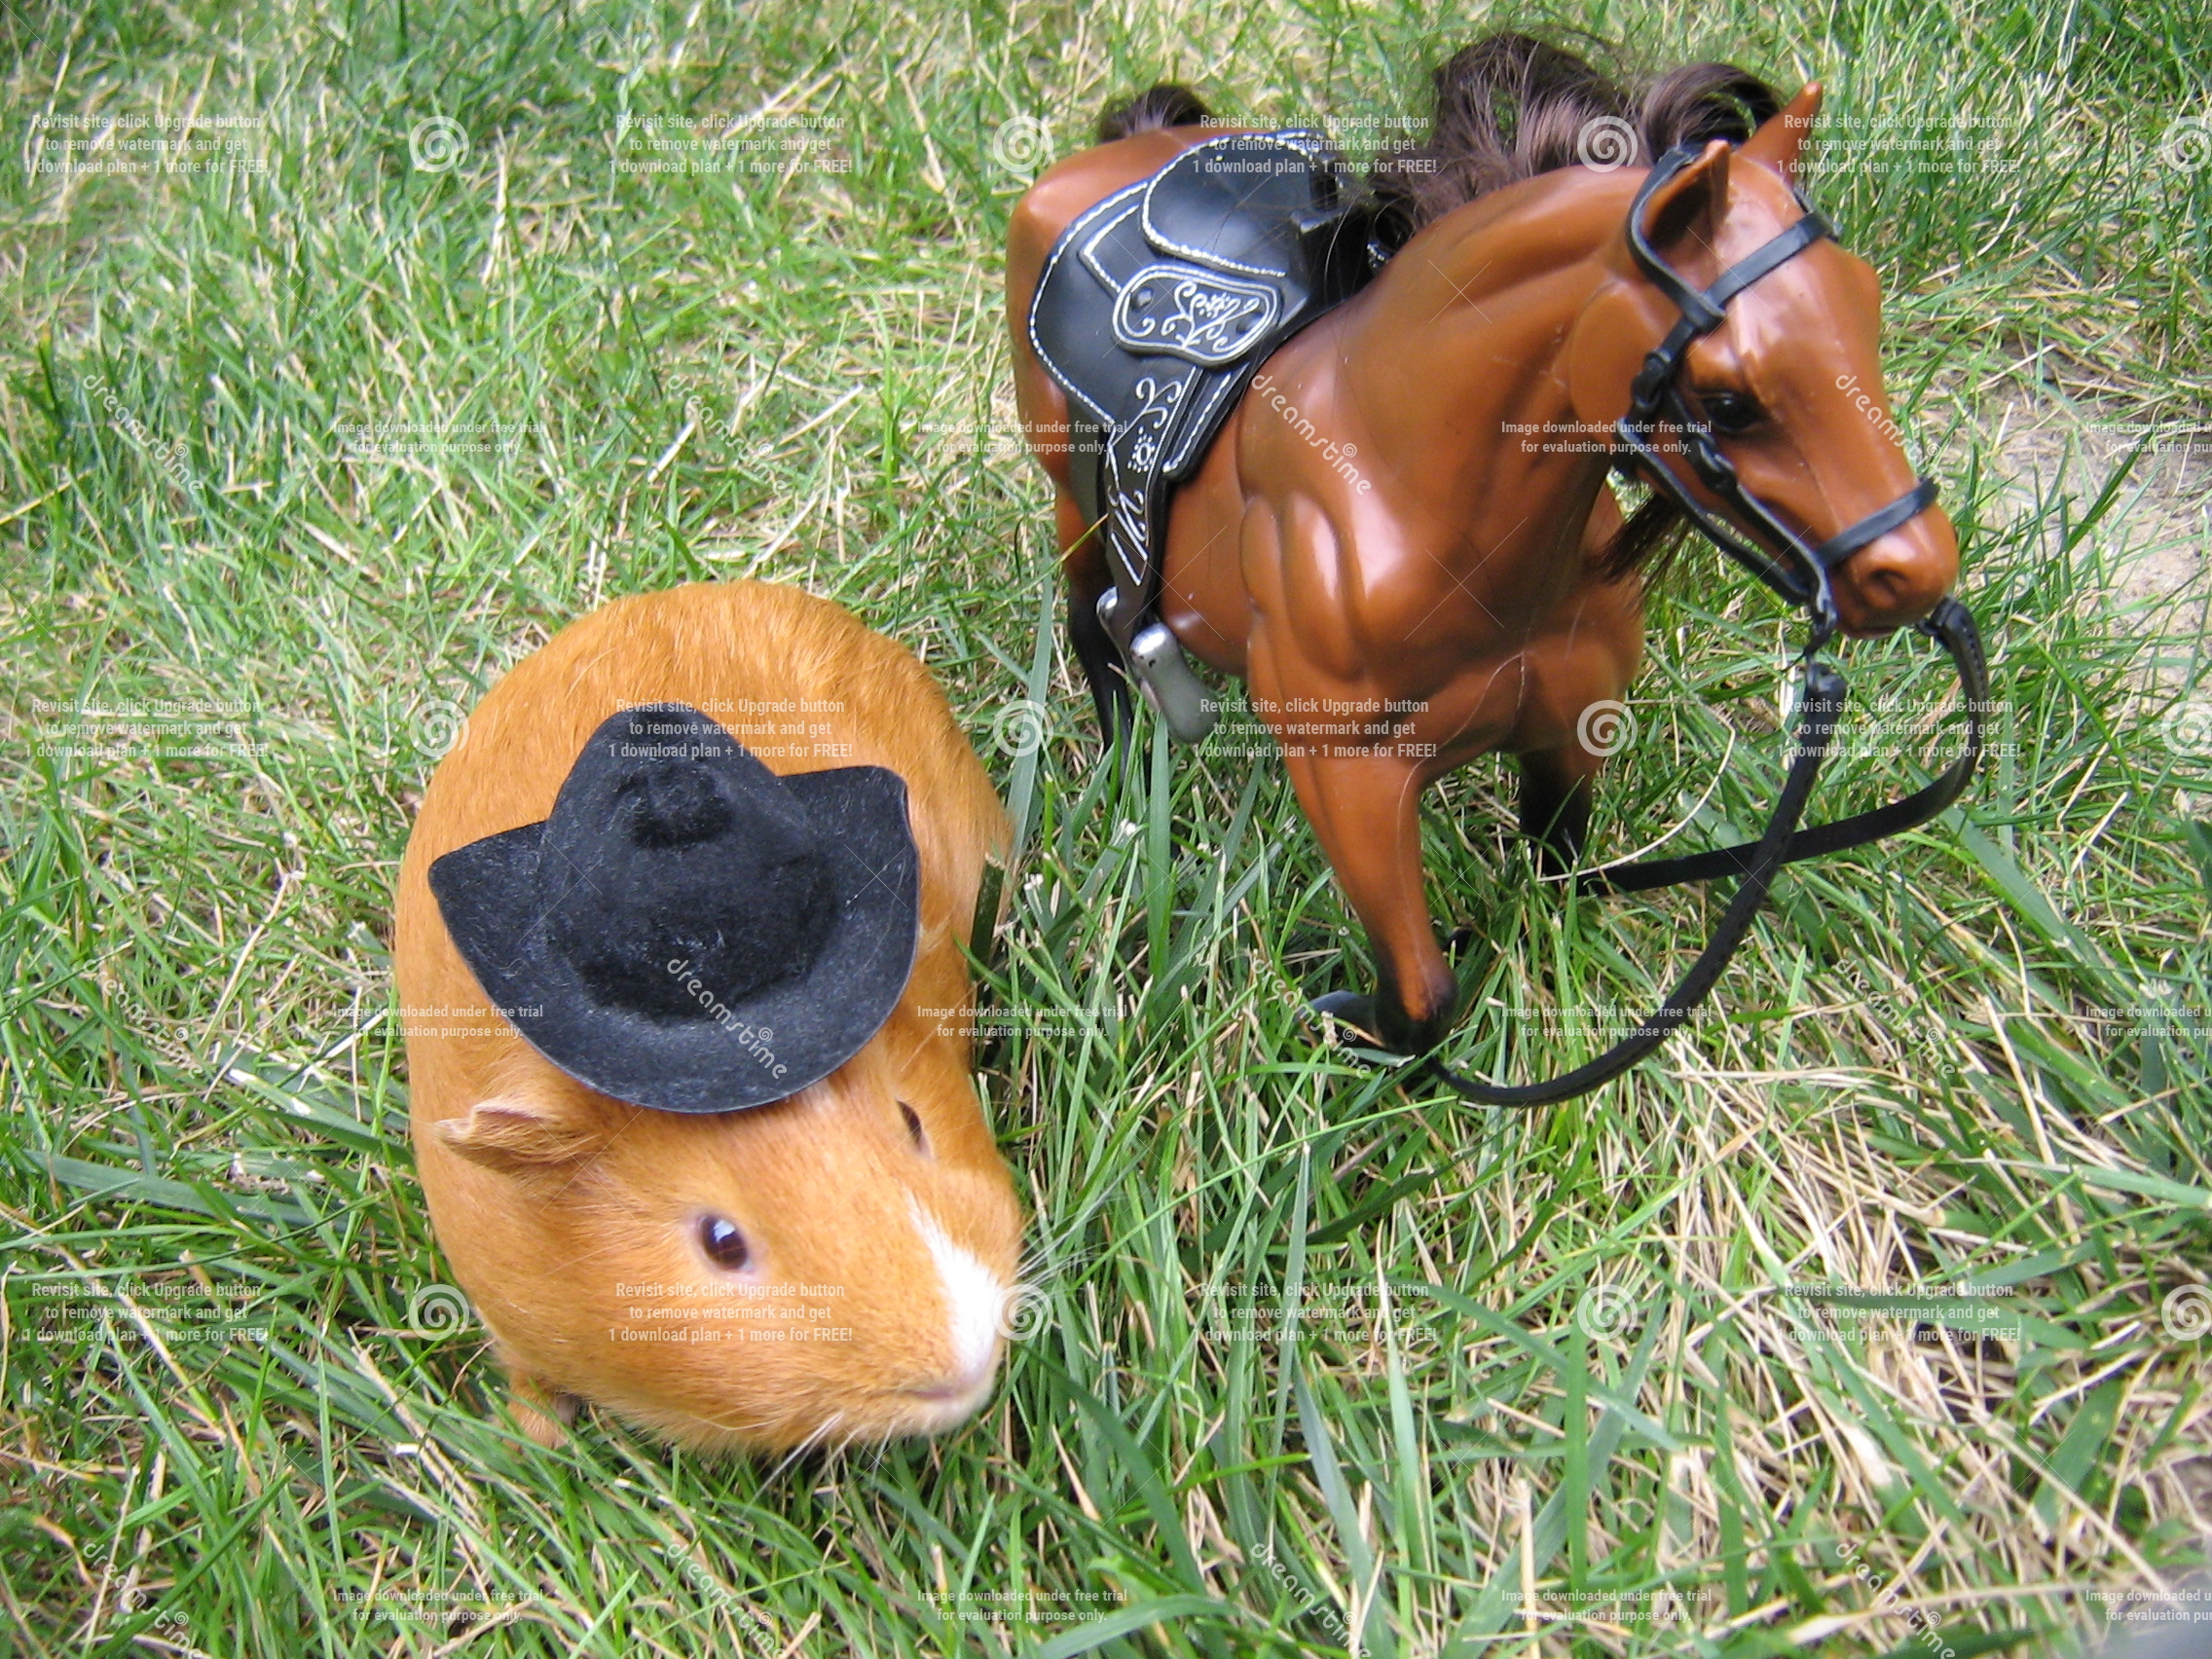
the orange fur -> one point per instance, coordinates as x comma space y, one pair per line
554, 1202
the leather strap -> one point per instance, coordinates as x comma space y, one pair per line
1817, 712
1952, 627
1800, 576
1845, 542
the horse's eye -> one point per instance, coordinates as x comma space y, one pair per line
1731, 412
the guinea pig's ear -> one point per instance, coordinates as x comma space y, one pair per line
521, 1136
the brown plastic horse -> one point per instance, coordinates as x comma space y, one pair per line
1451, 590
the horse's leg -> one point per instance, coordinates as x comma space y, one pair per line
1587, 660
1556, 788
1366, 811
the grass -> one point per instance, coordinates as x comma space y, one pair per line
1554, 1352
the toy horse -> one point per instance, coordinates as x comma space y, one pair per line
1331, 443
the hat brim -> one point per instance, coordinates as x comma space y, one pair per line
736, 1053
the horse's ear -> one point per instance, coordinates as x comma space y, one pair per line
1688, 206
1780, 141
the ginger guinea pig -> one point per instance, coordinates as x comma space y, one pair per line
678, 952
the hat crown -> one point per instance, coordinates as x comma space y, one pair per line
690, 877
687, 930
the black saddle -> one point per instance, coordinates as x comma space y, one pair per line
1155, 309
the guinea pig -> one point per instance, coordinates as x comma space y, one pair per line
653, 1203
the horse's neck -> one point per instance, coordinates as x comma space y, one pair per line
1461, 334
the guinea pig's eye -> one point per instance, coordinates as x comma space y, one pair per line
723, 1243
915, 1128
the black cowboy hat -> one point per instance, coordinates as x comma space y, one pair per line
689, 931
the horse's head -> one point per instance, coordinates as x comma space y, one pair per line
1790, 383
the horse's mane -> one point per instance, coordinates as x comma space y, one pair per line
1508, 107
1511, 106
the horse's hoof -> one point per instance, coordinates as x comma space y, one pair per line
1349, 1008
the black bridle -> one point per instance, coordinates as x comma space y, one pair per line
1796, 570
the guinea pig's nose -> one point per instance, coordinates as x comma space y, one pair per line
969, 1382
975, 1362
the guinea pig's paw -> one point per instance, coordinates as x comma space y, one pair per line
541, 1412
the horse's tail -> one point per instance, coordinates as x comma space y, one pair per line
1168, 104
